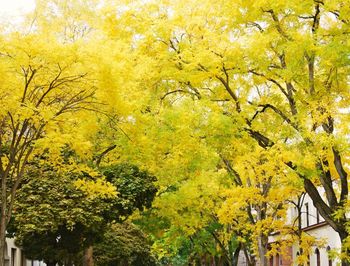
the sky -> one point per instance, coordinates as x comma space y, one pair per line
15, 8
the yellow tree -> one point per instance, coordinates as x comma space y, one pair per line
279, 70
44, 95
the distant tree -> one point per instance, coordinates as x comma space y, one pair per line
53, 219
56, 222
123, 244
136, 190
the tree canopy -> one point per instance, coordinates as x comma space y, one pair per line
238, 107
54, 220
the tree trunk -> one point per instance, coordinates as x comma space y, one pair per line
344, 248
220, 261
2, 241
88, 259
250, 259
50, 263
69, 263
262, 247
327, 213
3, 220
252, 263
236, 255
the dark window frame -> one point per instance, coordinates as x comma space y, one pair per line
307, 214
330, 262
318, 257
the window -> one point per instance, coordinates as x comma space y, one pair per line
318, 257
307, 214
329, 259
13, 256
277, 261
317, 217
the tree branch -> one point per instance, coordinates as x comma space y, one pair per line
226, 84
232, 171
99, 157
271, 80
277, 111
263, 141
326, 181
342, 175
278, 25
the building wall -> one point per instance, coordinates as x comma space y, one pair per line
332, 241
313, 224
15, 256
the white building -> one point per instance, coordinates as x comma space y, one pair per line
15, 257
314, 225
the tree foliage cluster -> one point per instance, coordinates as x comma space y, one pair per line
55, 221
238, 107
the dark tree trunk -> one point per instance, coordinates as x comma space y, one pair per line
50, 263
345, 249
236, 255
250, 259
3, 219
2, 240
327, 213
88, 259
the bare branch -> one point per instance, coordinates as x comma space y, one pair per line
226, 83
278, 25
277, 111
27, 80
100, 156
257, 25
271, 80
